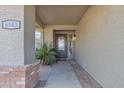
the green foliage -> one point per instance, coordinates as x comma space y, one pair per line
47, 54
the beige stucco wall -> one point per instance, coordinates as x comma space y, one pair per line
11, 41
38, 21
48, 30
29, 34
17, 46
100, 44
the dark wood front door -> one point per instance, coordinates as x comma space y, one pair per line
61, 45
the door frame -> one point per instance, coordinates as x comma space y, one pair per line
63, 31
56, 32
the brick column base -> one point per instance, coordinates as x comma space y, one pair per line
19, 76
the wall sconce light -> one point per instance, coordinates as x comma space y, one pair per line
74, 37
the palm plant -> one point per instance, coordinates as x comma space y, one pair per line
46, 54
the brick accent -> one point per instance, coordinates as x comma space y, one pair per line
86, 80
19, 76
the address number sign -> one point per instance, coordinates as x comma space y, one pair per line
11, 24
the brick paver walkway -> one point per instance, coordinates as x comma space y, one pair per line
65, 74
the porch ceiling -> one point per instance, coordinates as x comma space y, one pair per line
60, 14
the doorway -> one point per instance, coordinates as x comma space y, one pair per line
61, 44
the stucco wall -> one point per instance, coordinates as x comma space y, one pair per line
48, 30
11, 41
17, 47
100, 44
29, 34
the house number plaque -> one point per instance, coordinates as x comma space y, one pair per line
11, 24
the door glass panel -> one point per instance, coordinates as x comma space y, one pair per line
61, 43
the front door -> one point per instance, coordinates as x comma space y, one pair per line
61, 45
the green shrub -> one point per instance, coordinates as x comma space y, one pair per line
46, 54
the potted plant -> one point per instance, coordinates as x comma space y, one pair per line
46, 54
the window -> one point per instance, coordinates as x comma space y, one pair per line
61, 43
37, 39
